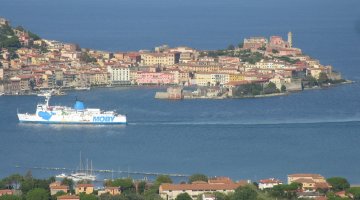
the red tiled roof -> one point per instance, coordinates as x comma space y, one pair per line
59, 187
201, 186
270, 180
6, 191
306, 175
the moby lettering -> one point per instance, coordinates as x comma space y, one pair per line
103, 119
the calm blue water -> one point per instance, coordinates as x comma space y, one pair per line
314, 131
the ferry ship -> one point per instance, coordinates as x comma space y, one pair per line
67, 115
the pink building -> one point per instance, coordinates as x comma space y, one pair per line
6, 192
154, 78
278, 42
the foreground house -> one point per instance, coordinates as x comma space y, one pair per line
110, 190
84, 188
6, 192
268, 183
56, 187
310, 182
222, 184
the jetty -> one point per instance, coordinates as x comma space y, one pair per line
105, 171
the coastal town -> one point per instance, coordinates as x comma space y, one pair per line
197, 187
255, 67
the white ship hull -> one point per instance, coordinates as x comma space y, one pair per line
66, 115
74, 119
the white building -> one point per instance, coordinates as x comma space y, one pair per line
268, 183
119, 74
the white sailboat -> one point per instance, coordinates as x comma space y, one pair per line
82, 174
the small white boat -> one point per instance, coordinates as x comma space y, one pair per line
61, 175
82, 88
1, 93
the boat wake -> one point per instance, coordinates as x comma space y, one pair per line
252, 123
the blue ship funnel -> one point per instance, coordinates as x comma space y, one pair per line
79, 105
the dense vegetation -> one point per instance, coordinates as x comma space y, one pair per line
38, 189
8, 39
253, 89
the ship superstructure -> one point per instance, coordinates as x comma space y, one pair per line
67, 115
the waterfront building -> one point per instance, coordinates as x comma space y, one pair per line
119, 74
279, 80
222, 184
309, 182
269, 183
158, 78
84, 188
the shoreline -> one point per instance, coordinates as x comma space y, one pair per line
191, 98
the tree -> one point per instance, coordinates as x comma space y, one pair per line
274, 51
285, 191
141, 187
84, 196
55, 196
333, 196
310, 81
108, 196
338, 183
183, 196
198, 177
133, 196
245, 193
221, 196
37, 194
263, 48
9, 197
70, 183
270, 88
283, 88
323, 78
231, 47
87, 58
126, 184
163, 179
241, 45
355, 191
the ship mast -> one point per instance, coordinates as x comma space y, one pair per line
47, 99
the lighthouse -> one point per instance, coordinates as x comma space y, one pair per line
290, 39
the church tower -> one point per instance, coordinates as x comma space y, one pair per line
290, 39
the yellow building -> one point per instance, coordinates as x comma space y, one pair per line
84, 188
162, 59
236, 77
222, 185
309, 182
203, 79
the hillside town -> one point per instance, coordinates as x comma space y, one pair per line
257, 66
197, 187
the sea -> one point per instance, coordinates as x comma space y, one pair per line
314, 131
